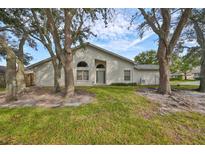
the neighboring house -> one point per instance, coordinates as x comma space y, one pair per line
28, 77
93, 65
177, 75
2, 76
196, 72
193, 74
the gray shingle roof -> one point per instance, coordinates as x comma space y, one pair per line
38, 63
146, 67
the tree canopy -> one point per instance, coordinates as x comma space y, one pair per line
167, 24
147, 57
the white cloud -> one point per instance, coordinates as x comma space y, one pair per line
117, 37
140, 40
115, 45
120, 47
117, 27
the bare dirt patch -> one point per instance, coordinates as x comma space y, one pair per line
44, 97
179, 100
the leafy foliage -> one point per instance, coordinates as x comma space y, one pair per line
27, 56
185, 63
189, 35
147, 57
15, 23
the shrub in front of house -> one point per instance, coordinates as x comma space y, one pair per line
124, 84
177, 78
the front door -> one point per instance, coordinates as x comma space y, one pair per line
100, 76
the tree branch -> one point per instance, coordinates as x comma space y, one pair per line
54, 32
44, 40
183, 20
155, 18
77, 32
68, 33
199, 34
150, 21
21, 44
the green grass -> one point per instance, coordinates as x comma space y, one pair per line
174, 82
179, 87
183, 80
2, 89
185, 87
117, 116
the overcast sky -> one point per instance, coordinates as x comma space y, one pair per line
116, 38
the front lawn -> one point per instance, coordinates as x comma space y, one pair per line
2, 89
185, 82
173, 86
117, 116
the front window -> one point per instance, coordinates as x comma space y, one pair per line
82, 64
82, 71
127, 75
82, 75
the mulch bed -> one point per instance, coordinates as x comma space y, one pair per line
44, 97
179, 100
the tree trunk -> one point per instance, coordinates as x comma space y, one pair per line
68, 65
69, 79
164, 84
202, 79
20, 76
11, 84
202, 72
57, 75
201, 42
185, 76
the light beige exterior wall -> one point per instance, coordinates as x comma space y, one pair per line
115, 67
44, 74
146, 77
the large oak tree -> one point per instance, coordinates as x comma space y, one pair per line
68, 28
195, 32
13, 31
43, 35
15, 23
167, 24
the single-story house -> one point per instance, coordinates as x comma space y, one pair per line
93, 65
194, 74
177, 76
28, 77
2, 76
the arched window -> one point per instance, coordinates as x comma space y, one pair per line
82, 71
100, 66
82, 64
